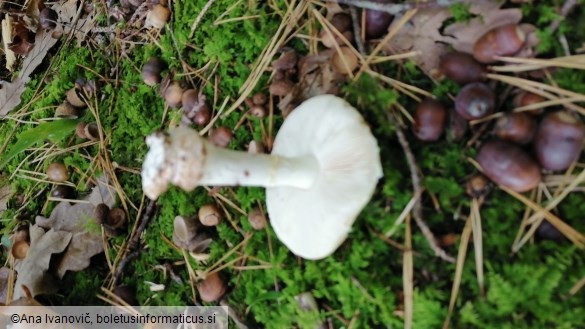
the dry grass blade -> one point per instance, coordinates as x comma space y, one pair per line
577, 238
477, 243
459, 268
541, 89
408, 276
531, 64
293, 15
401, 86
405, 212
578, 286
403, 20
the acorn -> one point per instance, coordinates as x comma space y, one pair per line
91, 131
559, 140
173, 94
212, 288
126, 293
515, 127
342, 22
462, 68
259, 99
547, 231
526, 98
502, 41
209, 215
257, 219
66, 111
203, 116
221, 136
475, 101
151, 71
19, 249
377, 22
116, 218
57, 172
344, 61
157, 17
48, 18
509, 165
74, 98
429, 120
190, 99
80, 130
258, 111
457, 126
329, 40
100, 213
62, 192
477, 186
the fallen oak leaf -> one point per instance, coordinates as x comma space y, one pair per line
32, 271
423, 32
78, 220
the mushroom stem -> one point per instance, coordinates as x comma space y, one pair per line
187, 160
235, 168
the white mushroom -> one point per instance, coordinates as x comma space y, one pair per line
323, 169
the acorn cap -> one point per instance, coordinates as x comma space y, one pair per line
66, 111
212, 288
116, 218
74, 98
91, 131
209, 215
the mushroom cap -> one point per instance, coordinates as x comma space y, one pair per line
313, 222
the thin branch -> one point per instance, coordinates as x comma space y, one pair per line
417, 208
398, 8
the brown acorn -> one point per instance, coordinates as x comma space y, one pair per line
257, 219
559, 140
377, 22
259, 99
57, 172
151, 71
212, 288
344, 61
475, 101
173, 94
502, 41
429, 120
209, 215
526, 98
516, 127
221, 136
462, 68
48, 18
509, 165
457, 126
280, 87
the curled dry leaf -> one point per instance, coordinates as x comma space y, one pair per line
32, 271
4, 276
77, 219
10, 92
423, 32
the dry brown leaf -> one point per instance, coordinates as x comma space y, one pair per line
4, 276
10, 92
78, 219
32, 271
316, 77
423, 32
6, 40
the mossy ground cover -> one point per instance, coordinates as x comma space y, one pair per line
361, 285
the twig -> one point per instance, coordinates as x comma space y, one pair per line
200, 17
146, 218
357, 30
398, 8
417, 208
123, 263
567, 8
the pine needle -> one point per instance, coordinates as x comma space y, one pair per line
408, 276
